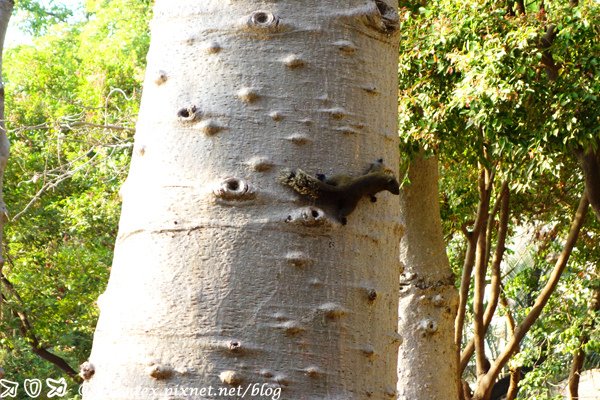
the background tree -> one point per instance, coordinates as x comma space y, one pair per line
524, 108
72, 98
427, 362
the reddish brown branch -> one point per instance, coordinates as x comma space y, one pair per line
486, 382
481, 259
574, 374
552, 68
579, 356
502, 203
472, 238
492, 217
513, 388
590, 165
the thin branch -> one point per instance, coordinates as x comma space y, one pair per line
492, 217
513, 388
70, 125
503, 204
512, 325
589, 161
101, 126
468, 264
498, 254
29, 335
6, 8
480, 273
56, 181
486, 382
546, 42
579, 356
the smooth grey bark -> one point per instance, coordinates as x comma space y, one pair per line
427, 359
222, 276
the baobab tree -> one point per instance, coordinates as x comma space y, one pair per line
252, 251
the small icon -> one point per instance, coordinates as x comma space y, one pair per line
10, 387
58, 387
33, 387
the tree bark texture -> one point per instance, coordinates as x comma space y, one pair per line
222, 276
427, 361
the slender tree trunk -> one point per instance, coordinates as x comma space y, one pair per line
502, 203
481, 267
513, 388
579, 356
427, 362
470, 255
6, 7
590, 165
222, 276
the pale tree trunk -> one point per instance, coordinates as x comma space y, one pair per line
223, 276
427, 361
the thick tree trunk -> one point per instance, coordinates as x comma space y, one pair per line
222, 275
427, 362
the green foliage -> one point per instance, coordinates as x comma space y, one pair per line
474, 89
471, 80
72, 99
38, 16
